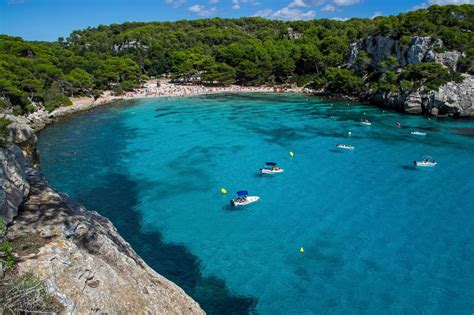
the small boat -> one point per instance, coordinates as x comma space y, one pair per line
427, 161
243, 199
344, 146
366, 122
418, 133
271, 168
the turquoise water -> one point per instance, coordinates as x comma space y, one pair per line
378, 234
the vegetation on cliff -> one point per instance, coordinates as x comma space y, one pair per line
20, 293
246, 51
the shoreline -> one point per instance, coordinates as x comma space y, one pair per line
39, 119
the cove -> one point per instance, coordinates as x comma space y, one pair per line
378, 234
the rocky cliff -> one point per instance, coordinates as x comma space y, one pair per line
79, 254
451, 99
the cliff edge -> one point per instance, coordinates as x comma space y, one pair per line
86, 265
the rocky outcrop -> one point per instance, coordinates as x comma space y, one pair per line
13, 184
86, 264
379, 48
448, 59
453, 99
420, 49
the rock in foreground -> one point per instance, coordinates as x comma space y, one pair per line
86, 264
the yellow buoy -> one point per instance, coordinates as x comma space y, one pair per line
301, 250
223, 190
292, 154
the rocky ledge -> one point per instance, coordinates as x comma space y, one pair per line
79, 254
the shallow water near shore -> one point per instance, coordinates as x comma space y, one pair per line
378, 234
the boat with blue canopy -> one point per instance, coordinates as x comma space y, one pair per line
243, 199
271, 168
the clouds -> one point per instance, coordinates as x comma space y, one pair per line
345, 2
425, 5
328, 8
294, 11
287, 14
175, 3
236, 4
297, 4
376, 14
304, 9
201, 10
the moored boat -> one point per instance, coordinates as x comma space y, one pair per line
427, 161
243, 199
345, 146
271, 168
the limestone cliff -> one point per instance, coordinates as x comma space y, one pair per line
85, 263
451, 99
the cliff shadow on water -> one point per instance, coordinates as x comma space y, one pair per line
116, 196
172, 261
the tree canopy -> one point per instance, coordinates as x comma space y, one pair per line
245, 51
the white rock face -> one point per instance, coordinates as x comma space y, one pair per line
378, 47
413, 104
448, 59
454, 98
421, 49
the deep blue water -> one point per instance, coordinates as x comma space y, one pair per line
378, 234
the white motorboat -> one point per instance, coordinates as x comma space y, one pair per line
271, 168
427, 161
418, 133
344, 146
366, 122
243, 199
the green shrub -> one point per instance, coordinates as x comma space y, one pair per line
4, 122
7, 249
3, 227
3, 103
26, 293
55, 101
303, 79
343, 81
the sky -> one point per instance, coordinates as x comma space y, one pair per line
49, 19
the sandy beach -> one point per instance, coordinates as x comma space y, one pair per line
151, 89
